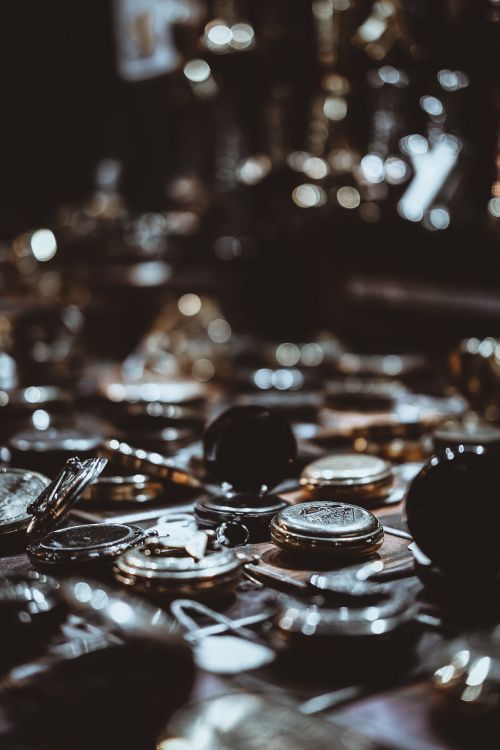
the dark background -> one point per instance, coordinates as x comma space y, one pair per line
64, 107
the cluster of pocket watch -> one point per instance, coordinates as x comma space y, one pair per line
249, 450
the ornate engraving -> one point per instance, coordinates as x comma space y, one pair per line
329, 515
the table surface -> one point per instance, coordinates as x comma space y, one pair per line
401, 717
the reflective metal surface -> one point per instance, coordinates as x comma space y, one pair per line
50, 507
136, 460
114, 490
90, 544
18, 490
327, 530
245, 722
175, 574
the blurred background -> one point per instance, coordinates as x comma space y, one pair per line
292, 170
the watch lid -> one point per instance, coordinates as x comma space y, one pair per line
249, 447
88, 543
18, 489
327, 520
246, 504
51, 506
327, 528
347, 470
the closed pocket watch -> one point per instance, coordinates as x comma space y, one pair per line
357, 636
357, 477
165, 572
322, 531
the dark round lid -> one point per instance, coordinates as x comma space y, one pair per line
327, 527
18, 489
249, 447
453, 511
94, 543
50, 507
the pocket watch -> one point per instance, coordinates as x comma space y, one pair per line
31, 505
49, 508
93, 544
249, 447
356, 636
321, 531
165, 572
18, 489
138, 461
356, 477
108, 491
252, 512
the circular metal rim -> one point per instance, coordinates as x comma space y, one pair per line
283, 522
102, 554
216, 515
46, 517
144, 572
153, 464
325, 544
209, 588
327, 547
21, 523
365, 484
